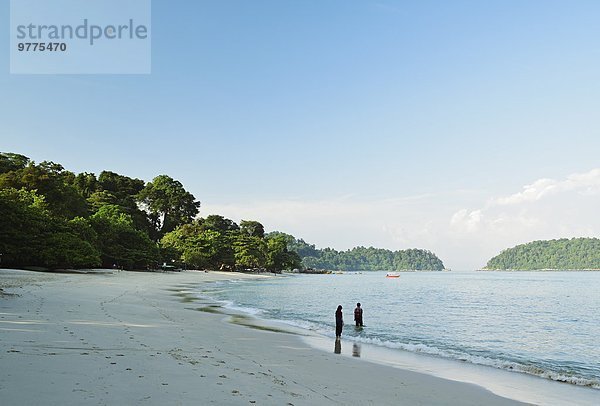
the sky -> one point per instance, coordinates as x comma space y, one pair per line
461, 127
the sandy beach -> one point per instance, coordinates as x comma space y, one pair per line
139, 338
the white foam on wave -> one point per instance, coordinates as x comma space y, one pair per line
482, 360
451, 355
244, 309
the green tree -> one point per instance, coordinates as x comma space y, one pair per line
301, 247
279, 257
252, 228
30, 236
124, 188
72, 245
51, 181
218, 223
249, 252
10, 162
122, 191
120, 243
168, 203
101, 198
199, 247
86, 184
24, 227
562, 254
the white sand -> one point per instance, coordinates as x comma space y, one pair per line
133, 338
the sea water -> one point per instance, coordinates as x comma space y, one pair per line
545, 324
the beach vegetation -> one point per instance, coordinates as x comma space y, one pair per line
199, 247
119, 242
55, 218
279, 255
250, 252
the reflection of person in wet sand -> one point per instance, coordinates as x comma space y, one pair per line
338, 346
356, 350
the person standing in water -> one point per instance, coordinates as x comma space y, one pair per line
339, 322
358, 315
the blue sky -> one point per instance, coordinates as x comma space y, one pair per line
385, 123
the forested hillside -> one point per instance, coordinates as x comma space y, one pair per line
563, 254
54, 218
364, 259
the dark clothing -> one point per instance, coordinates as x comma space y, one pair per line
358, 317
339, 323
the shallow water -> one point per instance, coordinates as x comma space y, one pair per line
541, 323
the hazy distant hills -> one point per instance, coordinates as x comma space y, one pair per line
563, 254
363, 258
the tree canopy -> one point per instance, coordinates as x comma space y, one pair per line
169, 204
54, 218
219, 243
563, 254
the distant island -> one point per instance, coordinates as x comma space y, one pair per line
362, 258
52, 218
564, 254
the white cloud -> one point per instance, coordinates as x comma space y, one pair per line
516, 208
468, 221
463, 238
584, 183
544, 209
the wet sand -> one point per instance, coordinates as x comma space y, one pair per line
140, 338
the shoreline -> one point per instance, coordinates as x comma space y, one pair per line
511, 384
133, 338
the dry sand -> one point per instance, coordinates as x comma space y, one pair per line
137, 338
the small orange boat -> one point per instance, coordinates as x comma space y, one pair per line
392, 275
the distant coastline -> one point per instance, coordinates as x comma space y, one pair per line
575, 254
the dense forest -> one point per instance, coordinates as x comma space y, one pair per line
363, 259
53, 218
563, 254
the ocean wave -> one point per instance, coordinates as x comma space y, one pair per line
560, 376
514, 366
574, 374
243, 309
